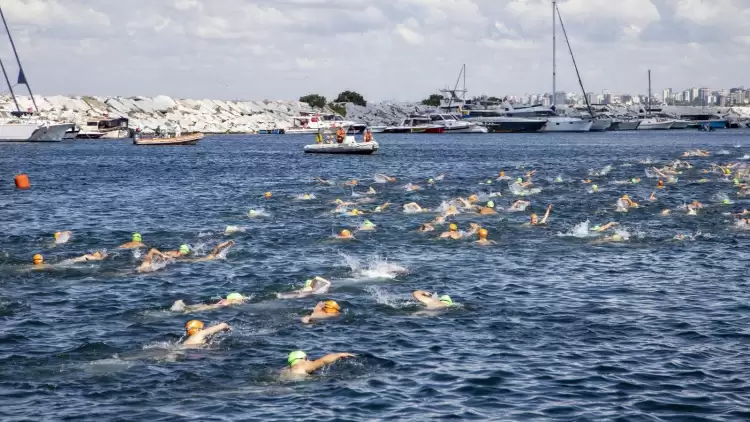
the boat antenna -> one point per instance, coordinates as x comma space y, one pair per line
9, 86
649, 92
455, 87
580, 82
21, 74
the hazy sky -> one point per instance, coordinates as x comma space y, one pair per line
384, 49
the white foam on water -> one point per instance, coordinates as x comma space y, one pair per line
580, 230
374, 268
382, 297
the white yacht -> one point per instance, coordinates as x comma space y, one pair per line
655, 123
453, 124
311, 122
20, 128
555, 122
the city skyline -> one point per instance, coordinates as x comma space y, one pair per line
386, 50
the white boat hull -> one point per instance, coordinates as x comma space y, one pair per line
354, 148
680, 124
296, 131
629, 125
469, 128
648, 124
33, 132
600, 125
567, 124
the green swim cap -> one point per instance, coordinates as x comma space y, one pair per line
490, 204
235, 296
251, 212
726, 201
596, 227
184, 249
616, 237
489, 182
634, 180
736, 181
368, 223
295, 356
595, 187
308, 282
137, 237
430, 180
519, 180
446, 299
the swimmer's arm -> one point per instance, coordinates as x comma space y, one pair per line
326, 360
213, 330
320, 283
220, 247
608, 225
546, 214
423, 296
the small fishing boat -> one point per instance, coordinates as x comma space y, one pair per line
186, 139
348, 146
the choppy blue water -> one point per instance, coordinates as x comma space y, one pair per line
550, 327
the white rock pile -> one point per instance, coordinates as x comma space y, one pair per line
208, 116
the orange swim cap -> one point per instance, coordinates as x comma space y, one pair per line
267, 194
473, 198
38, 259
453, 227
193, 326
345, 233
331, 307
483, 233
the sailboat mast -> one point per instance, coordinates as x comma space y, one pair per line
580, 82
9, 86
649, 91
21, 75
554, 58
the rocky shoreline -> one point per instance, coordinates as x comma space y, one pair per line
213, 116
208, 116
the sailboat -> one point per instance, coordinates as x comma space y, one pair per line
557, 123
651, 122
20, 126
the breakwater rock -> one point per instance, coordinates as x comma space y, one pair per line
209, 116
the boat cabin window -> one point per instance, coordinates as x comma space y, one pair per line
94, 124
436, 118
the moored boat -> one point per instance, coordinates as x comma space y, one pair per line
349, 145
186, 139
415, 124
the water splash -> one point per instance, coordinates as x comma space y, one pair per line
383, 297
580, 230
376, 267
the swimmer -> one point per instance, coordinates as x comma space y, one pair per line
62, 237
372, 191
410, 187
198, 336
323, 310
452, 232
96, 256
135, 243
306, 197
438, 220
472, 198
211, 256
345, 234
385, 177
148, 261
635, 180
300, 365
450, 211
355, 212
483, 238
625, 202
314, 286
616, 237
233, 229
520, 205
367, 225
652, 197
412, 207
382, 207
502, 176
431, 300
426, 227
660, 184
489, 209
322, 181
534, 220
268, 195
352, 182
594, 188
231, 299
38, 263
665, 212
607, 226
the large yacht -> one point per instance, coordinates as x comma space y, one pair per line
655, 123
554, 122
453, 124
496, 121
23, 127
312, 122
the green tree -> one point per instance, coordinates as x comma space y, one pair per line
433, 100
351, 97
314, 100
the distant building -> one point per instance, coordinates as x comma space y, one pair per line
667, 95
694, 94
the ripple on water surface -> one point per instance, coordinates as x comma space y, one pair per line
552, 323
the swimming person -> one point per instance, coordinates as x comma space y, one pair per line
426, 227
431, 300
345, 235
534, 220
452, 232
198, 336
314, 286
299, 364
483, 238
519, 205
62, 237
323, 310
489, 209
96, 256
231, 299
135, 243
367, 225
212, 255
598, 228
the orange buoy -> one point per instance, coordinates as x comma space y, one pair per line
22, 181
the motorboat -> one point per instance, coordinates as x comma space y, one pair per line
176, 139
628, 124
106, 128
415, 124
309, 123
497, 122
377, 129
348, 146
600, 124
655, 123
32, 131
453, 124
554, 122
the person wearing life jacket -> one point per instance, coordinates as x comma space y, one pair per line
198, 336
319, 137
368, 135
323, 310
340, 134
